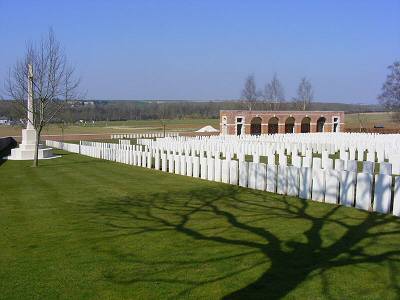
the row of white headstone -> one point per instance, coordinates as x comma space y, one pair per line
359, 146
143, 135
380, 192
299, 158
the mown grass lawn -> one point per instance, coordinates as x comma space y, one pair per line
80, 228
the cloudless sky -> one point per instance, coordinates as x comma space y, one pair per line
204, 49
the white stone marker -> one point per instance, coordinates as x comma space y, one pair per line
293, 181
163, 162
385, 168
243, 173
352, 166
339, 164
331, 186
256, 158
347, 188
282, 159
210, 168
307, 162
217, 169
196, 166
382, 193
171, 163
296, 161
364, 191
252, 175
271, 178
233, 172
261, 176
144, 159
203, 168
396, 164
371, 156
157, 161
368, 167
318, 185
317, 163
396, 199
139, 158
282, 180
327, 164
305, 183
225, 171
189, 166
177, 161
183, 165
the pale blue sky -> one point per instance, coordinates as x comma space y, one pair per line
204, 49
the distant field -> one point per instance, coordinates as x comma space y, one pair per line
118, 127
369, 120
352, 121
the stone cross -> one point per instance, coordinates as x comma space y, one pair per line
30, 98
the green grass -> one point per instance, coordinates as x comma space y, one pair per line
80, 228
130, 126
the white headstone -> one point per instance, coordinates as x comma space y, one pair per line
282, 180
261, 176
293, 181
305, 183
225, 171
382, 193
347, 187
252, 175
318, 185
368, 167
364, 191
217, 168
210, 168
271, 178
331, 186
243, 173
196, 166
396, 198
233, 172
385, 168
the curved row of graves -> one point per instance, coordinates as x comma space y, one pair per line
143, 135
347, 169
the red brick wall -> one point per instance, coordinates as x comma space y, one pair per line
282, 116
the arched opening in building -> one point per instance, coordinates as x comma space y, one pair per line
320, 124
273, 125
289, 125
255, 126
305, 125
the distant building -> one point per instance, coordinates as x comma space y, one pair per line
236, 122
4, 121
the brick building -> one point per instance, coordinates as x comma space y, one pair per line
268, 122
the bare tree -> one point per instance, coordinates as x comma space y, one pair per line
274, 94
249, 93
305, 95
51, 83
390, 96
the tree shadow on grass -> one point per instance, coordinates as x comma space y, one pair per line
256, 225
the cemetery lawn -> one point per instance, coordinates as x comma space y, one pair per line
81, 228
